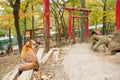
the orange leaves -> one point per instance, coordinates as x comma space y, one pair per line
22, 15
6, 17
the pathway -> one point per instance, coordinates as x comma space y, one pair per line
81, 63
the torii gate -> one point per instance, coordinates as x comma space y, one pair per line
117, 15
70, 20
31, 32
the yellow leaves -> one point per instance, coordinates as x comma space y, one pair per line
93, 3
23, 15
35, 2
5, 23
22, 6
109, 13
40, 16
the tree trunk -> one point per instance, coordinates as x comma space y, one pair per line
16, 8
73, 30
64, 26
10, 37
78, 32
96, 23
25, 22
82, 22
33, 36
56, 30
104, 18
59, 36
24, 30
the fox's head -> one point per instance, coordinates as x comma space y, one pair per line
30, 43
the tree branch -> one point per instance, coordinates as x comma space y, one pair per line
11, 3
26, 7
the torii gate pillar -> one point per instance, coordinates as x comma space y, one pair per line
117, 15
70, 24
46, 14
46, 22
87, 25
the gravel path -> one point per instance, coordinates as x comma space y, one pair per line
81, 63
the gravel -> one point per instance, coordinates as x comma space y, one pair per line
81, 63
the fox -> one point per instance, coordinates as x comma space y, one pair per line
28, 57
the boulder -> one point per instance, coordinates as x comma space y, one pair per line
114, 44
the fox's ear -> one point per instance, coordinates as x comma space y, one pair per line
30, 41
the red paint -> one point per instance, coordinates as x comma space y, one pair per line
70, 20
31, 30
117, 15
70, 24
31, 34
35, 29
96, 32
79, 16
76, 9
46, 14
87, 24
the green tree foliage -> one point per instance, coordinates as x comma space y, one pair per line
57, 9
2, 34
97, 14
59, 16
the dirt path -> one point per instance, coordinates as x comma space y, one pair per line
8, 62
82, 64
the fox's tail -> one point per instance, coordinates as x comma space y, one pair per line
29, 66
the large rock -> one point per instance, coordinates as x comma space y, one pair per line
99, 40
114, 44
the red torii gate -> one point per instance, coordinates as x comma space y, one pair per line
70, 20
31, 31
117, 15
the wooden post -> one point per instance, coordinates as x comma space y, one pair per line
117, 15
31, 35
